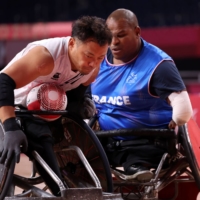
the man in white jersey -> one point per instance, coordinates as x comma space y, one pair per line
138, 86
71, 62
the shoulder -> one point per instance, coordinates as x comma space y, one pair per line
56, 46
166, 79
167, 68
168, 71
153, 51
39, 58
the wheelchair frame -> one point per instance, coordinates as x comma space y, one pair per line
103, 188
93, 189
184, 159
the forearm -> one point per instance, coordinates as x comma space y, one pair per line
77, 94
6, 112
80, 103
182, 108
7, 86
75, 98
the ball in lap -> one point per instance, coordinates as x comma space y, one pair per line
46, 97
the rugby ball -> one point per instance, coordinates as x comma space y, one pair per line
47, 96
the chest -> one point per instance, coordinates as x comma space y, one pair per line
63, 75
121, 81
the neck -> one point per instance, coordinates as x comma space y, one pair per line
73, 68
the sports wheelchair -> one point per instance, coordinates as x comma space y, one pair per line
179, 181
88, 175
81, 158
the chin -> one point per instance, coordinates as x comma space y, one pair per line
117, 55
84, 72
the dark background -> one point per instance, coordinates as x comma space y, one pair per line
150, 13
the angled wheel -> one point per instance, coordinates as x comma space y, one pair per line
189, 139
6, 173
78, 133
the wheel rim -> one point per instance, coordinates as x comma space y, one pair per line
71, 166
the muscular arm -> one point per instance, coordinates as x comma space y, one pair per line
37, 62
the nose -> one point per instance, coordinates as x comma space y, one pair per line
115, 40
92, 64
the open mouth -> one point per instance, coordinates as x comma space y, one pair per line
116, 50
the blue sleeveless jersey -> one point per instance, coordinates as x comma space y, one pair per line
122, 97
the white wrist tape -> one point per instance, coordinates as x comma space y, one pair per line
182, 108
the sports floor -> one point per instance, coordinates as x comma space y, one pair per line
24, 168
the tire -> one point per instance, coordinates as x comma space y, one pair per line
6, 173
190, 155
78, 133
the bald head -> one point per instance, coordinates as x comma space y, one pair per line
126, 41
124, 14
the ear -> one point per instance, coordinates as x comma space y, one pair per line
71, 43
138, 31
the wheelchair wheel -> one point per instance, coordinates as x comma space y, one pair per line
189, 153
8, 176
6, 173
78, 133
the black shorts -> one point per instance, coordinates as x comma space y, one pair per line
36, 128
39, 131
148, 154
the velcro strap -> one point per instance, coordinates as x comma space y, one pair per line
123, 143
10, 124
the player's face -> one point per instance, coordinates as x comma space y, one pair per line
125, 39
86, 56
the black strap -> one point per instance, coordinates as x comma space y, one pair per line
123, 143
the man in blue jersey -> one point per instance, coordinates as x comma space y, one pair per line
138, 86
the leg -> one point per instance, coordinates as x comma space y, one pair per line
136, 159
40, 139
146, 155
49, 157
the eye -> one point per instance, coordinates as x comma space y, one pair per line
121, 35
101, 58
88, 56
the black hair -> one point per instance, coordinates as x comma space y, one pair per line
87, 27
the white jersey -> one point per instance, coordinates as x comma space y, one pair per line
61, 74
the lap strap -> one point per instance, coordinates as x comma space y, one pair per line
123, 143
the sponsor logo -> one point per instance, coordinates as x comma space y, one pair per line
131, 78
56, 76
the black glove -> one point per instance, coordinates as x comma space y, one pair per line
14, 138
87, 109
84, 108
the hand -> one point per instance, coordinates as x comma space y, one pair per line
88, 108
11, 146
172, 124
